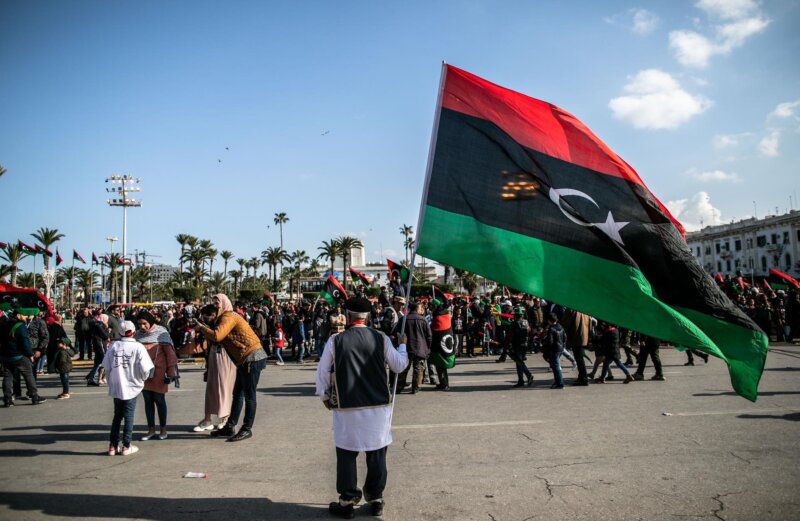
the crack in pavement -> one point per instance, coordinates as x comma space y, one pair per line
564, 465
718, 498
405, 448
739, 457
528, 437
491, 516
81, 475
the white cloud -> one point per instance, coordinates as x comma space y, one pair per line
734, 34
656, 100
726, 141
637, 20
696, 212
717, 176
769, 144
786, 110
691, 49
727, 9
743, 20
644, 22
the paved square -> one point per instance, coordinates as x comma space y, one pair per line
483, 451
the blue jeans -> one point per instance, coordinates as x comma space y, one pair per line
278, 355
123, 409
84, 343
607, 365
522, 369
99, 354
41, 363
555, 365
64, 382
152, 400
244, 393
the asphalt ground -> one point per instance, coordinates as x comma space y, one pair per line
482, 451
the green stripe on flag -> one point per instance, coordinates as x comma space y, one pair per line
598, 287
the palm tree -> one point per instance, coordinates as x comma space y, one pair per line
47, 237
330, 250
408, 244
236, 275
183, 240
67, 273
274, 256
280, 219
13, 254
346, 244
207, 247
140, 277
226, 256
25, 280
216, 282
254, 263
86, 279
5, 272
407, 232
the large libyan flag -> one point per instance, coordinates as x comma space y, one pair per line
522, 192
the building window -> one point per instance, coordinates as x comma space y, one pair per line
708, 250
761, 240
717, 247
785, 237
698, 251
737, 245
774, 238
719, 266
788, 262
728, 265
737, 263
763, 263
749, 243
727, 246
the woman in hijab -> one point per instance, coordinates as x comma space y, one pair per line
220, 377
158, 343
244, 347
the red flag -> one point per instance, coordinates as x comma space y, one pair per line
26, 248
106, 259
95, 259
359, 275
77, 256
766, 285
440, 295
784, 277
742, 283
59, 260
3, 244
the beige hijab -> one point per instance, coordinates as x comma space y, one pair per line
224, 303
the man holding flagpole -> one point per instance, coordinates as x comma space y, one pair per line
352, 381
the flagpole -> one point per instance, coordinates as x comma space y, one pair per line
34, 270
72, 280
429, 167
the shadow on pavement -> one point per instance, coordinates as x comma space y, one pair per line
91, 506
760, 393
782, 369
792, 416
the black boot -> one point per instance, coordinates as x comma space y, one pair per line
343, 511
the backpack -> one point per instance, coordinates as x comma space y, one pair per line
521, 331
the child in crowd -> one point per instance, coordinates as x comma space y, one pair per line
277, 343
62, 363
127, 366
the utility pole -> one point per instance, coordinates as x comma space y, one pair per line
127, 185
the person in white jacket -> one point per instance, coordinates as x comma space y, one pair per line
127, 366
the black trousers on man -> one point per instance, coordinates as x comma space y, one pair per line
23, 367
577, 351
347, 477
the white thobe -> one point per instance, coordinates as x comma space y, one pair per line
366, 429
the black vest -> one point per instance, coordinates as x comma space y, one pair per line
359, 367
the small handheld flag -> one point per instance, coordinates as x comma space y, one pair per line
332, 291
396, 269
357, 274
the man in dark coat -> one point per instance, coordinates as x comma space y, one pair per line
419, 341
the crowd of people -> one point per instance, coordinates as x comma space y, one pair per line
239, 339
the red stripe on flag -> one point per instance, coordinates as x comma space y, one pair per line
538, 125
788, 278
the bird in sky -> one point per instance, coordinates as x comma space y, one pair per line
226, 148
325, 132
219, 160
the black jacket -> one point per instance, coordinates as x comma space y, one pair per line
419, 336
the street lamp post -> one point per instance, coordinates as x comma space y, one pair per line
127, 185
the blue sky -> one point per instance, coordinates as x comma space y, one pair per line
701, 98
